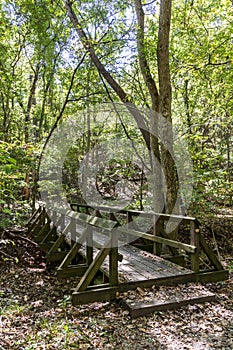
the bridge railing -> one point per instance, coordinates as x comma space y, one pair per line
157, 234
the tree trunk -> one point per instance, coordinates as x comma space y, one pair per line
31, 98
107, 76
158, 199
160, 104
165, 105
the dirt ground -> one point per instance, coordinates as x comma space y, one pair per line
36, 313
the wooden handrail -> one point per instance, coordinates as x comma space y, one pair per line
186, 247
166, 217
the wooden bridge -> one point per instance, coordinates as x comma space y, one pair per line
87, 243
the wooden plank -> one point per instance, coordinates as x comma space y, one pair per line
137, 309
157, 247
72, 271
50, 235
165, 217
146, 265
89, 219
94, 295
212, 276
89, 247
210, 254
158, 281
187, 247
104, 293
45, 247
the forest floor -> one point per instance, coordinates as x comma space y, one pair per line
36, 313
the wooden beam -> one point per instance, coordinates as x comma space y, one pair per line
194, 235
60, 240
74, 249
137, 309
165, 217
42, 233
92, 269
210, 254
94, 295
212, 276
113, 261
71, 271
186, 247
38, 224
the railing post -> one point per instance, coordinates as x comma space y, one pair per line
113, 259
194, 240
129, 219
157, 247
89, 247
73, 231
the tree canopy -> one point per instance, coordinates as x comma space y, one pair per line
173, 57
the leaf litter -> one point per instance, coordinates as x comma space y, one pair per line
36, 312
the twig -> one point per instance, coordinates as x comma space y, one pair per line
7, 255
22, 238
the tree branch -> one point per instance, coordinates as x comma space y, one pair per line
125, 98
145, 69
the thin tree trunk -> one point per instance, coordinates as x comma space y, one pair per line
165, 105
158, 202
30, 103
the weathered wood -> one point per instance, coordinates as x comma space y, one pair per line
38, 223
60, 240
113, 261
157, 247
42, 233
212, 276
186, 247
94, 295
137, 309
92, 269
74, 250
45, 247
89, 219
89, 247
138, 268
72, 271
165, 217
158, 281
210, 254
194, 239
50, 235
176, 259
138, 265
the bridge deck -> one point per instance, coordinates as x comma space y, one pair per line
138, 265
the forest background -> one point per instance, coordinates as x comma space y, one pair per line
48, 74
